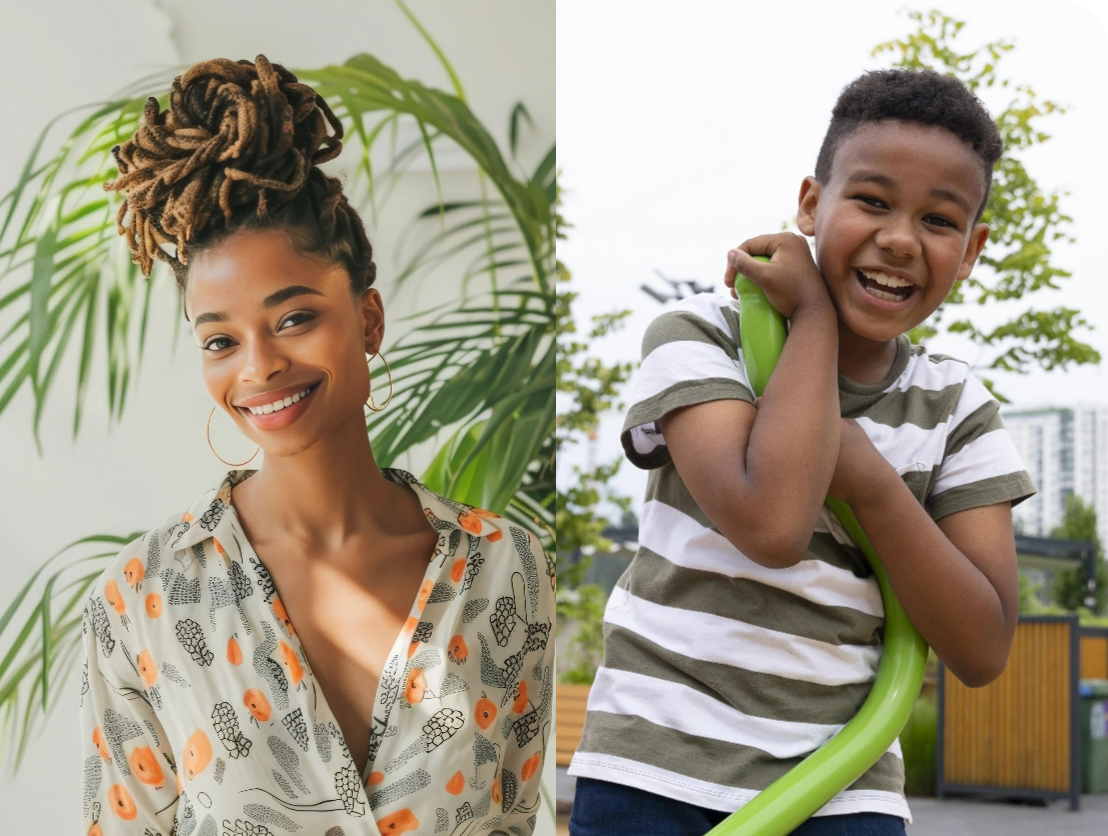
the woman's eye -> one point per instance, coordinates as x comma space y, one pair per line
303, 316
210, 345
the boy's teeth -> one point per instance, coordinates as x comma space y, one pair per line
881, 294
277, 406
888, 281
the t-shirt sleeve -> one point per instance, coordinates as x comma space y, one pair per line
980, 465
690, 354
130, 784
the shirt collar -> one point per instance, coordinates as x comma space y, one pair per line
207, 515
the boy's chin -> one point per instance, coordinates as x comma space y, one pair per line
877, 332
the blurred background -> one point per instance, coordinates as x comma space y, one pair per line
61, 55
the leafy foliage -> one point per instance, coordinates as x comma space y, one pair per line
1024, 221
1069, 587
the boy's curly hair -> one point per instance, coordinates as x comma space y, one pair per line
237, 149
924, 97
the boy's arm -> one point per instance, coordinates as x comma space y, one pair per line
761, 474
956, 578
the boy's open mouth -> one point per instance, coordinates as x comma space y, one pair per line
886, 287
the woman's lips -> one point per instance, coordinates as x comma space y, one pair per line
280, 418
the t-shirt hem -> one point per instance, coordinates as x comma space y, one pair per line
641, 776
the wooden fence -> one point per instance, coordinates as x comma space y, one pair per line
570, 700
1018, 736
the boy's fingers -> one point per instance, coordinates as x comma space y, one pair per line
740, 261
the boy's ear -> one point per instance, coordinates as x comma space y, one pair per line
978, 236
810, 190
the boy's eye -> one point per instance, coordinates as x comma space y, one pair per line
871, 201
939, 220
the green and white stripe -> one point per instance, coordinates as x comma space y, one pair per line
719, 674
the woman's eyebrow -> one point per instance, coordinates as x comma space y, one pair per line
272, 300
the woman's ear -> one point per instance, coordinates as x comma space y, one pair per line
373, 312
810, 189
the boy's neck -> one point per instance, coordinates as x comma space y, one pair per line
862, 360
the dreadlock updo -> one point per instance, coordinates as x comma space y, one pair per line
237, 149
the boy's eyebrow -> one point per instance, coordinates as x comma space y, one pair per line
273, 299
890, 183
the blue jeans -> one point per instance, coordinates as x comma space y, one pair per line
601, 808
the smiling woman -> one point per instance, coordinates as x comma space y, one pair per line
287, 646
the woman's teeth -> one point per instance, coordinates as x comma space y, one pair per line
883, 286
277, 406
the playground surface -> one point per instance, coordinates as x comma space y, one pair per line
961, 815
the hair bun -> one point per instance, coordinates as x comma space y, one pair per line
236, 134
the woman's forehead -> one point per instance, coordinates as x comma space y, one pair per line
251, 272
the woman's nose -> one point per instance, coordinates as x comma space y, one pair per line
261, 361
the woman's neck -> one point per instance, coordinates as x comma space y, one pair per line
327, 495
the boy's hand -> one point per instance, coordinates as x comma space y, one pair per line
791, 280
855, 467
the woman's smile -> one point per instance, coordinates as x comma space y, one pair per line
279, 413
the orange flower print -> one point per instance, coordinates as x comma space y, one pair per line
147, 669
520, 705
153, 605
424, 594
198, 752
282, 616
218, 547
121, 802
470, 522
485, 515
375, 778
101, 744
409, 632
456, 784
494, 535
296, 672
234, 652
146, 767
458, 569
113, 597
399, 822
529, 767
457, 652
416, 687
496, 791
134, 572
257, 704
484, 712
95, 830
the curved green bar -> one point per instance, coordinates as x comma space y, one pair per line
793, 798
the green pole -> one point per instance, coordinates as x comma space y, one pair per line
794, 797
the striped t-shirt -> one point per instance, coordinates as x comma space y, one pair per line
719, 674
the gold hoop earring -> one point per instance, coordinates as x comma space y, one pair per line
209, 434
388, 400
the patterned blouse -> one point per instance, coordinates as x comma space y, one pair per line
201, 717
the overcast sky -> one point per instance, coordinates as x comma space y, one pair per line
684, 129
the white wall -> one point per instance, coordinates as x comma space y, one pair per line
58, 54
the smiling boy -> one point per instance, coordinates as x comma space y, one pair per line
747, 629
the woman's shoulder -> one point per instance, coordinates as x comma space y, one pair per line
172, 547
497, 538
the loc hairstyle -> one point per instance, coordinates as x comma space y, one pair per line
923, 97
237, 149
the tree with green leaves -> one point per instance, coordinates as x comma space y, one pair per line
476, 375
587, 388
1069, 587
1025, 222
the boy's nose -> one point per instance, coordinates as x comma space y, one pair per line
899, 238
